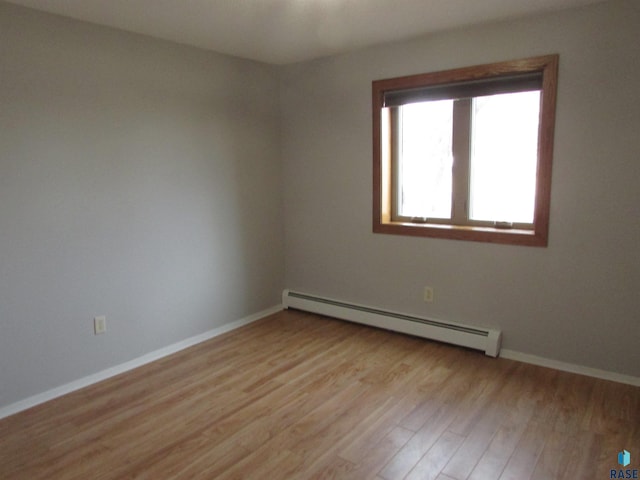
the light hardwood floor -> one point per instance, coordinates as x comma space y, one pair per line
302, 396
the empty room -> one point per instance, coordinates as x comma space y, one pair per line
319, 239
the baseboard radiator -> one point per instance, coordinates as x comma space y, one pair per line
486, 340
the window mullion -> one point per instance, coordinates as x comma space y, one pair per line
461, 160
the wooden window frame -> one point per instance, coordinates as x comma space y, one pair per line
384, 220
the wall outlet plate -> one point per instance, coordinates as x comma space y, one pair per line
428, 294
100, 325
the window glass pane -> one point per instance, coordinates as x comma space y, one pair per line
504, 156
426, 159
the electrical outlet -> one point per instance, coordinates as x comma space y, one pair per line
428, 294
100, 325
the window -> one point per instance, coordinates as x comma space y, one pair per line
466, 153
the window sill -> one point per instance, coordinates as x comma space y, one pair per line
454, 232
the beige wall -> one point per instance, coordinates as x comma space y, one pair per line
576, 301
140, 180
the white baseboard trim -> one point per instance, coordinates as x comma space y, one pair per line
130, 365
570, 367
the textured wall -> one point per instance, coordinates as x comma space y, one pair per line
139, 179
577, 300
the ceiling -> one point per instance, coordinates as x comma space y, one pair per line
287, 31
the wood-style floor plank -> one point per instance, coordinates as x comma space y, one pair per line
301, 396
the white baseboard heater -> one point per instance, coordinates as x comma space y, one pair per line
487, 340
